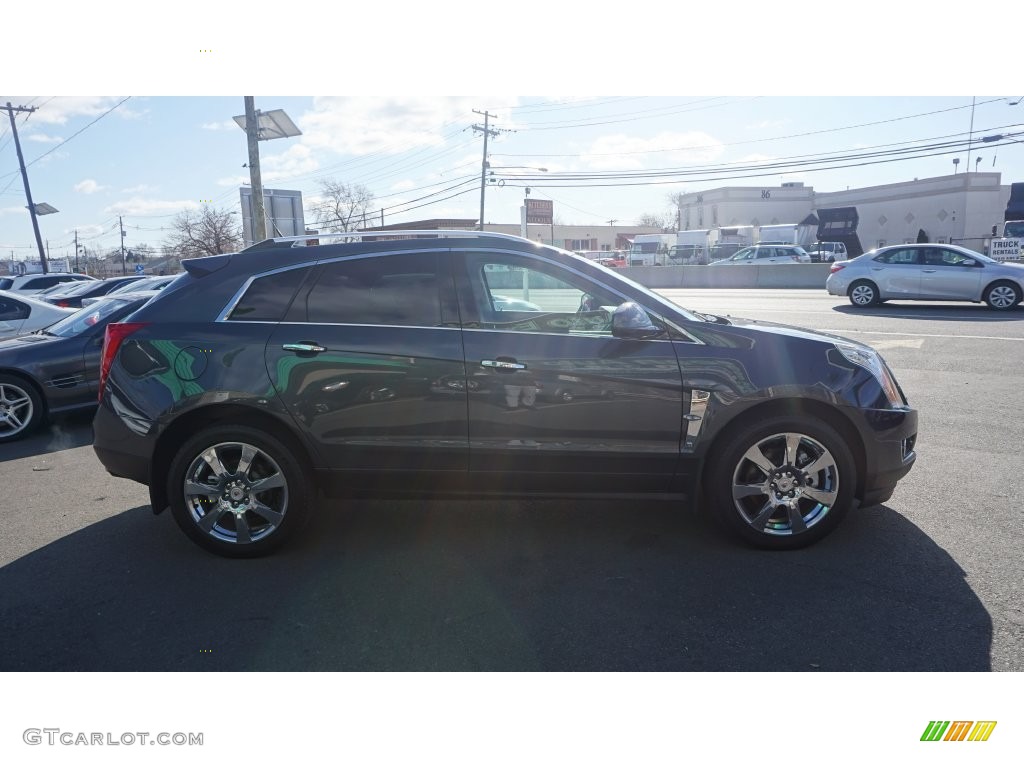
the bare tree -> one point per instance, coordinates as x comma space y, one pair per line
205, 232
342, 207
663, 221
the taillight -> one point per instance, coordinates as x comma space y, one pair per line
836, 267
115, 334
62, 303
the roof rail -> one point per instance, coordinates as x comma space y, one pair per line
301, 240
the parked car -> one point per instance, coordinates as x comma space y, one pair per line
56, 369
929, 272
236, 413
74, 293
35, 283
23, 314
154, 283
766, 254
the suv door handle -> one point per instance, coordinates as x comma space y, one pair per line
304, 347
504, 365
928, 271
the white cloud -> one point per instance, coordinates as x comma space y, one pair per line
139, 189
360, 125
88, 187
13, 209
138, 206
60, 109
297, 160
222, 125
42, 138
403, 185
623, 152
86, 230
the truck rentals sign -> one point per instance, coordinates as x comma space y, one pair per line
1006, 248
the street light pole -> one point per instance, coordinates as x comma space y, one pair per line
24, 179
252, 133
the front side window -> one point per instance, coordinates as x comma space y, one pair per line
743, 255
515, 294
394, 289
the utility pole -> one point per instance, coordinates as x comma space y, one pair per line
487, 132
76, 251
120, 224
252, 133
24, 179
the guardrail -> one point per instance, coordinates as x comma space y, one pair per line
745, 276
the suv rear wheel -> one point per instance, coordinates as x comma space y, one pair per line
783, 483
237, 491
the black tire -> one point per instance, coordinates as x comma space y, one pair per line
1002, 295
21, 408
267, 517
863, 293
774, 510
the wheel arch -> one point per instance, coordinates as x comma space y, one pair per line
998, 280
174, 436
792, 407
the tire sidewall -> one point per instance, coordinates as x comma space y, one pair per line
295, 475
37, 407
719, 480
866, 284
988, 296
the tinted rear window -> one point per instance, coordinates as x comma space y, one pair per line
268, 297
5, 283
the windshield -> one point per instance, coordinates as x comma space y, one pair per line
86, 318
1013, 229
74, 288
5, 283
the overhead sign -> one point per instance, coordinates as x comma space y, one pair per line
539, 211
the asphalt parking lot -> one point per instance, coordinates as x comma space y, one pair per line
91, 580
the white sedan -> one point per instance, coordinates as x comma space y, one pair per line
20, 314
928, 272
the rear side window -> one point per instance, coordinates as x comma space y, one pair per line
400, 289
5, 283
12, 310
900, 256
268, 297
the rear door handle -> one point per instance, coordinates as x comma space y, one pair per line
304, 346
929, 271
503, 365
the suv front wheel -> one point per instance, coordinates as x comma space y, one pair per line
783, 483
237, 491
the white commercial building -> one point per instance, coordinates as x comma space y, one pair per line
961, 208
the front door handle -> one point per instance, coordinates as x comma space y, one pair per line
503, 365
305, 346
929, 271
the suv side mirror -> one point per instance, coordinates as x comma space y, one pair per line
631, 321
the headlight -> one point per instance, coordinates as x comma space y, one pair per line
870, 360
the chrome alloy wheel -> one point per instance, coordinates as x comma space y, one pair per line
240, 505
16, 409
785, 484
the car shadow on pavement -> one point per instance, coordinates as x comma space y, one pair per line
920, 310
471, 585
72, 431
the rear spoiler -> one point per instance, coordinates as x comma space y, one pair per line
206, 265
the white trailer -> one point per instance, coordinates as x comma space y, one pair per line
1009, 247
779, 233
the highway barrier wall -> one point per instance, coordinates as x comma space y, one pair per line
745, 276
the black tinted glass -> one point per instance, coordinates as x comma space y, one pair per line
268, 297
12, 310
383, 290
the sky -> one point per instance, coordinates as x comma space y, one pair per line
605, 158
696, 100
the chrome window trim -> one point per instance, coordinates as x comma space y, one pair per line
365, 325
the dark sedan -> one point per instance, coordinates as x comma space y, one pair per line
56, 370
75, 294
